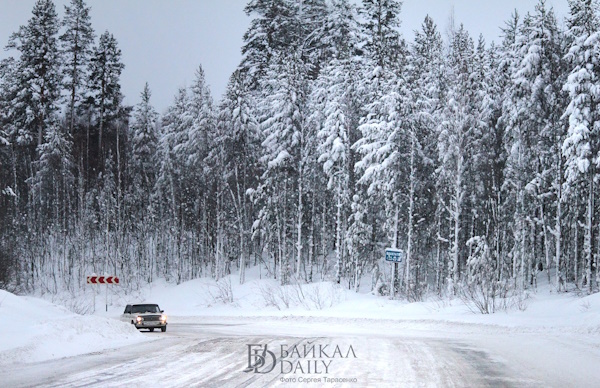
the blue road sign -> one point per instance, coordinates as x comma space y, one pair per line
394, 255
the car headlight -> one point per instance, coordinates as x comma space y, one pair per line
163, 318
139, 319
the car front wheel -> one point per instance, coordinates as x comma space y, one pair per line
163, 329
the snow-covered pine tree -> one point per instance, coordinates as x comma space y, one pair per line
383, 43
38, 74
105, 69
310, 31
270, 34
76, 49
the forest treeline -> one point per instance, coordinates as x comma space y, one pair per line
336, 138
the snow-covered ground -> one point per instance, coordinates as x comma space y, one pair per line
36, 330
542, 310
551, 337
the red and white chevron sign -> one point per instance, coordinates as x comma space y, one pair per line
102, 280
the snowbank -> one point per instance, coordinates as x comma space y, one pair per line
35, 330
543, 310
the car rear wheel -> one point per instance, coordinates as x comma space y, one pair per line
163, 329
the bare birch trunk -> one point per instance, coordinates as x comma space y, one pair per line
323, 239
588, 232
576, 254
411, 207
338, 239
458, 194
558, 227
546, 244
299, 224
311, 240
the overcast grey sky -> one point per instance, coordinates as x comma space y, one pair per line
164, 41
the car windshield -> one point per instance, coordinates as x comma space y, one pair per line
144, 308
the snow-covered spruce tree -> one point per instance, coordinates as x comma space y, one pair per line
513, 186
334, 147
110, 228
76, 49
167, 194
335, 105
241, 140
398, 146
8, 135
582, 143
282, 120
535, 125
550, 173
203, 182
494, 217
296, 31
37, 70
142, 178
382, 147
52, 187
425, 77
143, 152
31, 103
105, 69
457, 144
429, 69
51, 196
200, 107
175, 124
10, 186
383, 52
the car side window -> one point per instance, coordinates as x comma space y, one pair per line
128, 309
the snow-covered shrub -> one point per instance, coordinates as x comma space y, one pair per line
310, 296
585, 306
483, 292
275, 295
80, 306
322, 295
222, 292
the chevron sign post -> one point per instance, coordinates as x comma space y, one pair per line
102, 280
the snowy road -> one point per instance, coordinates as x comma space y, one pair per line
213, 352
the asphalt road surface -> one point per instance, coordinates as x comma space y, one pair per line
215, 352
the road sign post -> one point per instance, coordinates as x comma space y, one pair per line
394, 255
102, 280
